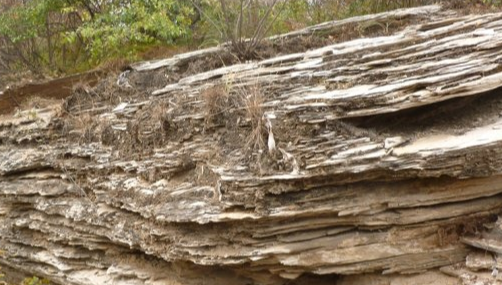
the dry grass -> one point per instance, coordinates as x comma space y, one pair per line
451, 234
85, 125
81, 96
253, 106
216, 103
160, 116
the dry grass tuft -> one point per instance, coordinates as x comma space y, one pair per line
81, 97
85, 126
253, 106
216, 103
159, 114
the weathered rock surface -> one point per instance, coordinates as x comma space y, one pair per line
376, 160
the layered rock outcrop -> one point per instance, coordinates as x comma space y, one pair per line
370, 159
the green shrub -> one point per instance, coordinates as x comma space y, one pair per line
121, 30
54, 36
242, 23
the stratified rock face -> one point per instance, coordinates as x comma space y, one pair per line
358, 162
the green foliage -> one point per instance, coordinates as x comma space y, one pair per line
77, 34
120, 29
56, 36
35, 281
494, 3
220, 24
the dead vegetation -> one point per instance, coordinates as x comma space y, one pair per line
216, 103
253, 101
240, 108
469, 227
